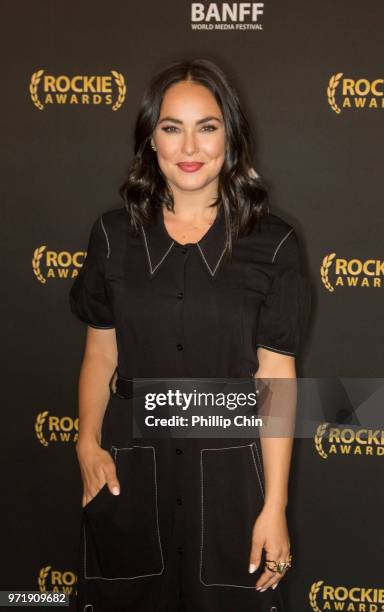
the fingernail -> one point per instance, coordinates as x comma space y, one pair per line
115, 490
252, 568
274, 586
261, 590
258, 588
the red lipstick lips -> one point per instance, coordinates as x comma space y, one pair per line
190, 166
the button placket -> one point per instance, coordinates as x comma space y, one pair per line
179, 517
183, 253
183, 250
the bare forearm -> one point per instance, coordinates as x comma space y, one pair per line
93, 395
276, 460
278, 410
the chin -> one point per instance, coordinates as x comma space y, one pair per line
188, 182
191, 185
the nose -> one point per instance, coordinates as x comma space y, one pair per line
189, 144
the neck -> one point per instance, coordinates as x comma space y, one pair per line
194, 205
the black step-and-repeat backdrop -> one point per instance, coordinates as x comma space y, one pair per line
311, 77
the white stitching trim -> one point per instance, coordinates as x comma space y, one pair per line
258, 459
252, 447
106, 236
114, 449
151, 269
281, 242
276, 350
241, 586
206, 263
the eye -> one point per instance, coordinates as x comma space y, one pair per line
169, 127
210, 128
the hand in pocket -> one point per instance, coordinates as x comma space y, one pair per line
97, 469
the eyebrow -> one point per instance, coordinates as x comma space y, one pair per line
173, 120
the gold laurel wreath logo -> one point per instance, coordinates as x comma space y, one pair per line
332, 84
35, 80
37, 255
320, 431
40, 420
326, 264
315, 588
120, 82
42, 577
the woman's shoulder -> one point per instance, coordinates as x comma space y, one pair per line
110, 227
114, 216
271, 233
114, 222
274, 223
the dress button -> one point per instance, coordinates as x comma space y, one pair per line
179, 501
184, 250
179, 347
180, 295
179, 451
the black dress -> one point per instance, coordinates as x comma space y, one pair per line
178, 536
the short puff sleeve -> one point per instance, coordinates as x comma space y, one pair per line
284, 315
88, 297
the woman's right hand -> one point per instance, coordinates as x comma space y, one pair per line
97, 468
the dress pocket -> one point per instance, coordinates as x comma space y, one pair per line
232, 496
121, 532
96, 498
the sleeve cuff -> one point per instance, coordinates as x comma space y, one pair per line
276, 350
101, 326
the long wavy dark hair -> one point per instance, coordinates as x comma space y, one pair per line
241, 191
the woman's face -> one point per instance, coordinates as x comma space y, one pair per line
190, 129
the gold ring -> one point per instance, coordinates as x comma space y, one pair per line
279, 566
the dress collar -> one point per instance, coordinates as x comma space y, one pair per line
158, 243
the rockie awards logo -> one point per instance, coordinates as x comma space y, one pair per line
355, 94
95, 90
57, 581
227, 15
347, 441
53, 428
351, 272
56, 264
324, 596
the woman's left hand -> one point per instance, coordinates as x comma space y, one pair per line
270, 532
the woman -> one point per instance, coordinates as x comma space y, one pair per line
192, 277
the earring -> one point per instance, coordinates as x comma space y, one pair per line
153, 146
